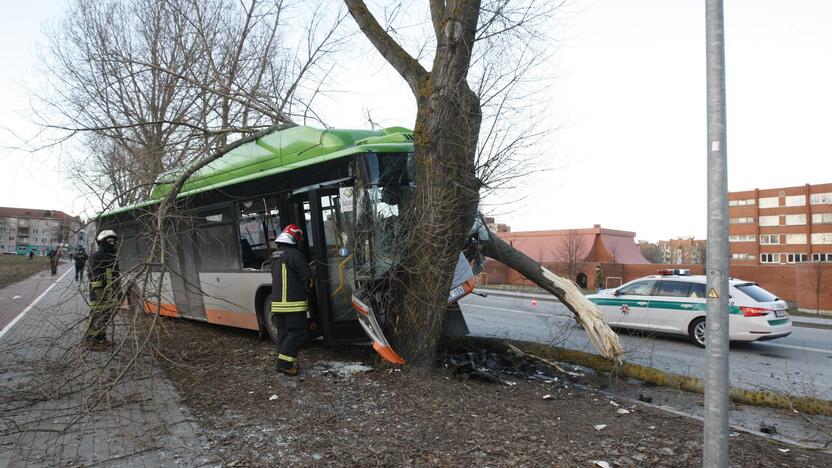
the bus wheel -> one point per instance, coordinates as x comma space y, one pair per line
266, 318
697, 331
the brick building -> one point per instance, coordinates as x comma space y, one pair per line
24, 230
788, 225
571, 252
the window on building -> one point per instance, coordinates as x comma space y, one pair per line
822, 238
797, 258
742, 256
740, 220
769, 239
745, 238
796, 200
748, 201
822, 257
795, 220
822, 218
769, 220
769, 258
770, 202
795, 238
820, 198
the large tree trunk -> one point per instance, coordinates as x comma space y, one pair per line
604, 339
445, 204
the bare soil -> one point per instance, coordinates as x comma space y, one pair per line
14, 268
252, 416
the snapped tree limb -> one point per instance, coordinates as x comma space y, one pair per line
590, 318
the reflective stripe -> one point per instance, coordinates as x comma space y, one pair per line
296, 306
283, 284
286, 358
108, 273
97, 284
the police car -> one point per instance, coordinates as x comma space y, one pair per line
673, 302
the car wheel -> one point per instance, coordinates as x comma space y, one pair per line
698, 331
265, 317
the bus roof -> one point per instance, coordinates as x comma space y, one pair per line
278, 152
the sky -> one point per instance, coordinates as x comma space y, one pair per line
627, 105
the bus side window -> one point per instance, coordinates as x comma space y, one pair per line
258, 228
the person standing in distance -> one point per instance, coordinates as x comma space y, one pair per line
290, 302
80, 262
104, 290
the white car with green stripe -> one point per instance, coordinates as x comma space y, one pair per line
675, 303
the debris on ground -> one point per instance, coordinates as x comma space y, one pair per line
402, 418
768, 428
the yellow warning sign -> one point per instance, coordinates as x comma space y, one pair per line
713, 294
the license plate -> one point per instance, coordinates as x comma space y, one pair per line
456, 293
779, 313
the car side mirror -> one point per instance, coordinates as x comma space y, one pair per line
616, 293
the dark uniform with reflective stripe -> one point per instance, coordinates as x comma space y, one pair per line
290, 303
104, 293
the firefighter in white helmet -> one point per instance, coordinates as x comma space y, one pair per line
104, 290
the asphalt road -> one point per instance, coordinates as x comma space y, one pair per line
800, 364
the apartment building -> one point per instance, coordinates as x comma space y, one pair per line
786, 225
24, 230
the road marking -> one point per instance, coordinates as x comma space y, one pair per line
29, 307
502, 309
799, 348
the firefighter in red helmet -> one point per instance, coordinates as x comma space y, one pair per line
290, 302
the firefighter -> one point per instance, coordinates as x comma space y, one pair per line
104, 290
290, 303
80, 262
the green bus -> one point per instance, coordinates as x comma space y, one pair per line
344, 187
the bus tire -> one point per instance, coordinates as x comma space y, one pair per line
697, 331
265, 318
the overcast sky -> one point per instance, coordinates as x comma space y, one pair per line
628, 103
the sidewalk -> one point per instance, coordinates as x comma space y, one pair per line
48, 382
797, 320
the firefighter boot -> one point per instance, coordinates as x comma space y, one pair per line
290, 371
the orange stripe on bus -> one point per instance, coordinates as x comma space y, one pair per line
231, 318
167, 310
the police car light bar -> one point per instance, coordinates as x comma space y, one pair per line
676, 272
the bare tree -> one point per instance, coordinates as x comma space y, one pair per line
447, 131
650, 251
153, 85
571, 253
817, 277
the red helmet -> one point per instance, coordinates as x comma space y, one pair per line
290, 235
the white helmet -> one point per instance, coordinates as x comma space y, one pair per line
105, 234
285, 238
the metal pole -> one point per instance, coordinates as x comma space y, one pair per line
717, 406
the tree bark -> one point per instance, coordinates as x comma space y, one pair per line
602, 337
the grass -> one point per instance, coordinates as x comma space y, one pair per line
14, 268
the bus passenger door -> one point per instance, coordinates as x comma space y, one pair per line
325, 235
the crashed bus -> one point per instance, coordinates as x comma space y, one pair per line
345, 188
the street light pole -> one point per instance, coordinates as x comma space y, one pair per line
717, 406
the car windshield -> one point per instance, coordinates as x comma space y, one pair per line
757, 293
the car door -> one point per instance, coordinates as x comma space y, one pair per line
672, 308
630, 305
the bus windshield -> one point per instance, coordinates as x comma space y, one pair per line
384, 186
